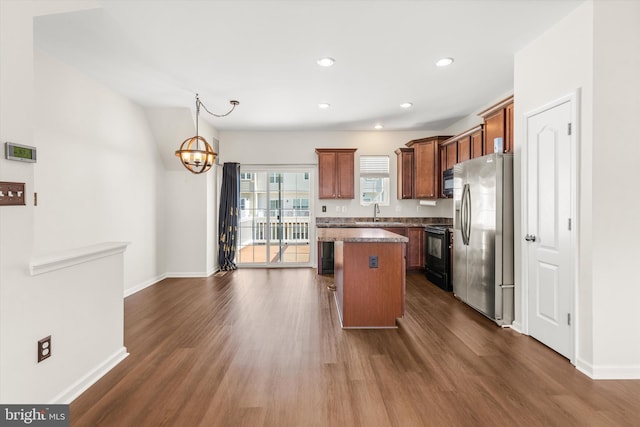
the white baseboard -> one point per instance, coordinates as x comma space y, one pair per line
76, 389
516, 326
624, 372
584, 367
143, 285
186, 275
157, 279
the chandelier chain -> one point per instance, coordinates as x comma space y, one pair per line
200, 104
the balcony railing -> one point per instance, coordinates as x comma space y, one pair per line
289, 229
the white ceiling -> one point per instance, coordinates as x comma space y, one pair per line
263, 53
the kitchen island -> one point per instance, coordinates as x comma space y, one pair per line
369, 275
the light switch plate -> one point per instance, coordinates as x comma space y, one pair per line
12, 194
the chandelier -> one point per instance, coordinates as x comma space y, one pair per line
195, 153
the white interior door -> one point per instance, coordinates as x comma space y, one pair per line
548, 241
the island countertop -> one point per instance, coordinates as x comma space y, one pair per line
359, 235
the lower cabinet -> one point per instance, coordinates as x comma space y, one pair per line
414, 252
415, 247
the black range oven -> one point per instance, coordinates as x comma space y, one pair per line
436, 263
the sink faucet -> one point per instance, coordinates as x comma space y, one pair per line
376, 211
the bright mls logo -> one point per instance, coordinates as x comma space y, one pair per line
34, 415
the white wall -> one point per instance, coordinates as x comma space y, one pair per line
544, 71
288, 148
99, 176
615, 176
211, 260
595, 50
191, 214
80, 307
186, 216
16, 222
190, 202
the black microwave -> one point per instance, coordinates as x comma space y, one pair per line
447, 183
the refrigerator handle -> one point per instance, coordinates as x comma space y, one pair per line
468, 206
464, 213
462, 225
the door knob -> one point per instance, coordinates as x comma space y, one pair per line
530, 238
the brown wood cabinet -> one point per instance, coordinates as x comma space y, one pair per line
415, 246
452, 156
494, 128
464, 149
459, 148
498, 123
448, 159
405, 173
426, 171
370, 297
477, 142
335, 173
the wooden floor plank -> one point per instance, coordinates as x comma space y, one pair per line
261, 347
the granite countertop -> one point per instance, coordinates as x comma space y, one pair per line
344, 222
359, 235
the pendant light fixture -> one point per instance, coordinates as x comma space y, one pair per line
195, 153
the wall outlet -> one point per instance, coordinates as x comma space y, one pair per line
44, 348
373, 261
344, 209
324, 208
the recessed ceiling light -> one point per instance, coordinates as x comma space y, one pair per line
378, 126
444, 62
324, 105
326, 62
406, 105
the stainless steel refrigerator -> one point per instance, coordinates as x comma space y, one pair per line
483, 235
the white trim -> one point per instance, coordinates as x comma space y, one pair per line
64, 259
516, 326
574, 100
80, 386
188, 274
137, 288
584, 367
623, 372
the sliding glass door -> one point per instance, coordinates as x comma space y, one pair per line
275, 217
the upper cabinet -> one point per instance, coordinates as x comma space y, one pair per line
457, 149
335, 173
477, 141
498, 123
405, 172
426, 166
420, 166
464, 149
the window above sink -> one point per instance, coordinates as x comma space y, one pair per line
374, 180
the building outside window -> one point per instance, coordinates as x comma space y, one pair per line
374, 180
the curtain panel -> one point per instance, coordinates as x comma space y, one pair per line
228, 216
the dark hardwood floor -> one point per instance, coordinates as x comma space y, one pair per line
261, 347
